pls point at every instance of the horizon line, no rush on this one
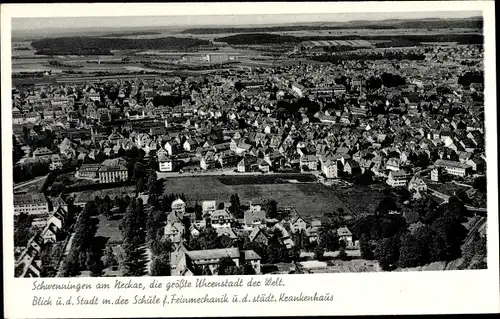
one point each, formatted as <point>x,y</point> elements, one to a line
<point>232,24</point>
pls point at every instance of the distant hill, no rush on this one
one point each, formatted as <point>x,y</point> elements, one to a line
<point>432,23</point>
<point>129,33</point>
<point>98,45</point>
<point>407,40</point>
<point>258,38</point>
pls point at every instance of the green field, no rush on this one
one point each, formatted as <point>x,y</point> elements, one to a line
<point>311,200</point>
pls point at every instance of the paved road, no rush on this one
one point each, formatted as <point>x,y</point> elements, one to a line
<point>23,184</point>
<point>227,172</point>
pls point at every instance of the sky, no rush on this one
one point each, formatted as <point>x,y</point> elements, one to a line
<point>19,24</point>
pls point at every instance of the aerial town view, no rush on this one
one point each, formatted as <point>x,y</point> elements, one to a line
<point>289,148</point>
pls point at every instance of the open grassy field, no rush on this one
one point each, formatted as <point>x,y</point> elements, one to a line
<point>311,200</point>
<point>266,179</point>
<point>361,200</point>
<point>108,229</point>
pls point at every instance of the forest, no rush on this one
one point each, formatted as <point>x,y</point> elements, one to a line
<point>395,40</point>
<point>258,38</point>
<point>475,23</point>
<point>371,56</point>
<point>103,46</point>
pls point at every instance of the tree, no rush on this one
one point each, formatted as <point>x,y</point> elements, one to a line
<point>386,205</point>
<point>413,250</point>
<point>271,208</point>
<point>109,257</point>
<point>23,230</point>
<point>342,254</point>
<point>425,207</point>
<point>226,266</point>
<point>299,239</point>
<point>422,160</point>
<point>365,247</point>
<point>198,210</point>
<point>373,83</point>
<point>153,163</point>
<point>449,234</point>
<point>71,266</point>
<point>454,208</point>
<point>319,251</point>
<point>482,264</point>
<point>85,228</point>
<point>140,186</point>
<point>160,245</point>
<point>387,253</point>
<point>153,183</point>
<point>392,80</point>
<point>235,207</point>
<point>480,184</point>
<point>276,250</point>
<point>364,179</point>
<point>96,267</point>
<point>207,239</point>
<point>248,269</point>
<point>226,241</point>
<point>161,265</point>
<point>133,232</point>
<point>138,171</point>
<point>18,271</point>
<point>328,237</point>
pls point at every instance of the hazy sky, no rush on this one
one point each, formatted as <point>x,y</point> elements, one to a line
<point>200,20</point>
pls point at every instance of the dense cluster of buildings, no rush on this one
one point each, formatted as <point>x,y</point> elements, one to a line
<point>230,121</point>
<point>255,225</point>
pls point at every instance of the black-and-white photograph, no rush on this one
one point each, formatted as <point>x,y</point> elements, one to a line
<point>248,144</point>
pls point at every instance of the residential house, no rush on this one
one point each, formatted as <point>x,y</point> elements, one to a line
<point>173,230</point>
<point>417,184</point>
<point>165,163</point>
<point>263,166</point>
<point>247,164</point>
<point>298,225</point>
<point>254,218</point>
<point>345,235</point>
<point>330,169</point>
<point>221,218</point>
<point>178,206</point>
<point>259,236</point>
<point>310,162</point>
<point>397,179</point>
<point>55,162</point>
